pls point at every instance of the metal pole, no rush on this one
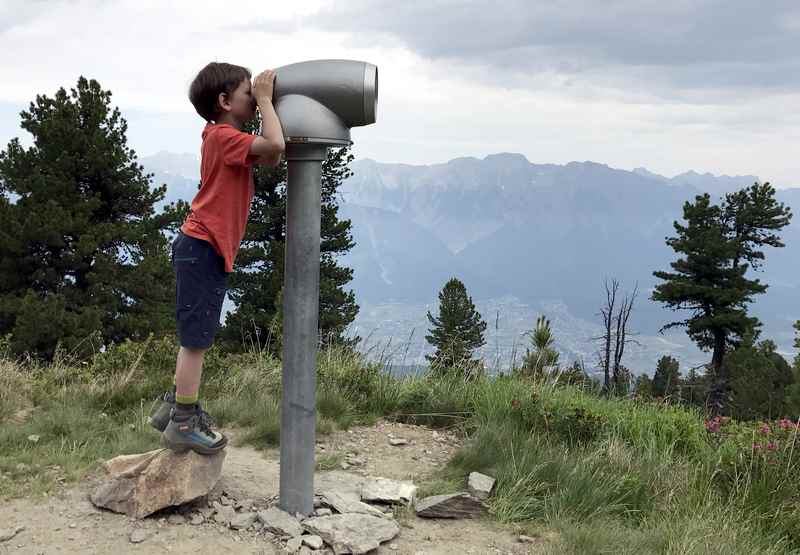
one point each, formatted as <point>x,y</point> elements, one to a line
<point>300,327</point>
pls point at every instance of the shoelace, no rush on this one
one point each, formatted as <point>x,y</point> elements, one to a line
<point>205,421</point>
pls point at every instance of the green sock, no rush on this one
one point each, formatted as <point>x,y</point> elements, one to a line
<point>187,400</point>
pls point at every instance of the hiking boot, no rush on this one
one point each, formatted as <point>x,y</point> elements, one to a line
<point>192,431</point>
<point>160,418</point>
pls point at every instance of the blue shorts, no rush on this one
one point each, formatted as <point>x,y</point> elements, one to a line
<point>200,286</point>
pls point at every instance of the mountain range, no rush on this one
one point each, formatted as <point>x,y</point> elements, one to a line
<point>526,239</point>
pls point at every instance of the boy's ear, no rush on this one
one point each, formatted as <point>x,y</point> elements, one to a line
<point>223,103</point>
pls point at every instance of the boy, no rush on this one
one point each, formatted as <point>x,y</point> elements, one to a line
<point>207,243</point>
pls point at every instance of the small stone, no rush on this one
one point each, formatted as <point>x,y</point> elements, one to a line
<point>480,485</point>
<point>294,544</point>
<point>314,542</point>
<point>73,525</point>
<point>223,500</point>
<point>138,536</point>
<point>197,519</point>
<point>6,535</point>
<point>242,521</point>
<point>343,465</point>
<point>245,504</point>
<point>393,546</point>
<point>526,539</point>
<point>398,441</point>
<point>224,515</point>
<point>323,511</point>
<point>33,438</point>
<point>176,519</point>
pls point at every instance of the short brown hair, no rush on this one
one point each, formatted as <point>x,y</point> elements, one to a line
<point>215,78</point>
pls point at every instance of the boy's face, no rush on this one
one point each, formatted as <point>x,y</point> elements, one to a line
<point>241,104</point>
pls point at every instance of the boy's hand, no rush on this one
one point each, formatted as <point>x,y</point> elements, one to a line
<point>263,86</point>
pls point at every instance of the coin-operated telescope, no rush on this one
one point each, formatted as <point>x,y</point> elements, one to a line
<point>317,103</point>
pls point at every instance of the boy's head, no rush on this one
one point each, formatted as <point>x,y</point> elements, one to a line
<point>222,88</point>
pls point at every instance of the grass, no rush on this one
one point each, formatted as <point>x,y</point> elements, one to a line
<point>594,475</point>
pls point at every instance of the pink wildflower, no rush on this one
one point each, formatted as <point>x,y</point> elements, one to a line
<point>785,423</point>
<point>756,446</point>
<point>712,426</point>
<point>772,446</point>
<point>765,429</point>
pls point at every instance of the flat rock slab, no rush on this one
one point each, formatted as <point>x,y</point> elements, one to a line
<point>345,483</point>
<point>454,505</point>
<point>342,503</point>
<point>139,485</point>
<point>480,485</point>
<point>352,533</point>
<point>384,490</point>
<point>280,522</point>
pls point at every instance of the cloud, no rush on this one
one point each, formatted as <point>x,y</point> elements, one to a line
<point>668,48</point>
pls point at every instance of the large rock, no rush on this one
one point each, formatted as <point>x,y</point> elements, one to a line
<point>455,505</point>
<point>139,485</point>
<point>352,533</point>
<point>480,485</point>
<point>383,490</point>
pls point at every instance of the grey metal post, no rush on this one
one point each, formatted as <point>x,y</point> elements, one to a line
<point>300,327</point>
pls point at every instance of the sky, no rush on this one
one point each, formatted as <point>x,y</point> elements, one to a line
<point>712,86</point>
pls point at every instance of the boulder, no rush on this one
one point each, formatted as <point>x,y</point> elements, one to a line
<point>455,505</point>
<point>480,485</point>
<point>352,533</point>
<point>139,485</point>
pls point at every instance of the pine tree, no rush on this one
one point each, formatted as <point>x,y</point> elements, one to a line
<point>82,256</point>
<point>666,378</point>
<point>760,377</point>
<point>257,281</point>
<point>456,332</point>
<point>543,354</point>
<point>719,244</point>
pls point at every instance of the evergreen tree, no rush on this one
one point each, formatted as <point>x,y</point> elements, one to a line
<point>666,378</point>
<point>643,387</point>
<point>760,377</point>
<point>82,256</point>
<point>255,287</point>
<point>719,244</point>
<point>457,331</point>
<point>543,354</point>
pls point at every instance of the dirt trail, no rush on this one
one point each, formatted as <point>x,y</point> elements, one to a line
<point>67,522</point>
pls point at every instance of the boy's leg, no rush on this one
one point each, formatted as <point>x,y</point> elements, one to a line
<point>188,371</point>
<point>200,288</point>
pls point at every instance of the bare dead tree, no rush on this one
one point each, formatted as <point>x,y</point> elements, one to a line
<point>607,312</point>
<point>621,336</point>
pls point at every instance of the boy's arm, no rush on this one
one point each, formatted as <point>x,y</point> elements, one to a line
<point>269,146</point>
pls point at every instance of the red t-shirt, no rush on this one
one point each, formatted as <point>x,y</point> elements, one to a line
<point>220,208</point>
